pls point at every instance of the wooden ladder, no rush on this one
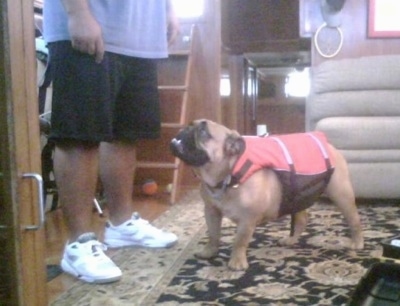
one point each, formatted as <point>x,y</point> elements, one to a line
<point>174,116</point>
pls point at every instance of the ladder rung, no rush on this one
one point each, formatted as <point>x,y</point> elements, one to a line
<point>182,90</point>
<point>148,164</point>
<point>172,125</point>
<point>172,87</point>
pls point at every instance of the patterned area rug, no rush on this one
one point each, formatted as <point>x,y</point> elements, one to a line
<point>317,271</point>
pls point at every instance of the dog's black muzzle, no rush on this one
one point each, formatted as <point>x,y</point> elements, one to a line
<point>184,147</point>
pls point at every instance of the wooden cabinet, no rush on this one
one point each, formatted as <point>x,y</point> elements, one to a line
<point>281,114</point>
<point>265,99</point>
<point>260,25</point>
<point>262,34</point>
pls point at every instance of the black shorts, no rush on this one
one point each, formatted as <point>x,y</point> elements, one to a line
<point>115,100</point>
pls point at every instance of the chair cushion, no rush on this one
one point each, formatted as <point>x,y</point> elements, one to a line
<point>371,73</point>
<point>367,103</point>
<point>362,133</point>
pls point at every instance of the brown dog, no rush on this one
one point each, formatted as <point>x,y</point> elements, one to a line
<point>250,192</point>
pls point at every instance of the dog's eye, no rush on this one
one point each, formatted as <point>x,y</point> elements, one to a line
<point>203,133</point>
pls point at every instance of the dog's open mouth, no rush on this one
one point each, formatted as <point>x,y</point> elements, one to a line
<point>184,147</point>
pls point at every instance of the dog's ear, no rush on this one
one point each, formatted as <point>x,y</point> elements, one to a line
<point>234,145</point>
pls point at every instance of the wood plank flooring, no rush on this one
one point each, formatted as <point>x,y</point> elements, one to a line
<point>148,207</point>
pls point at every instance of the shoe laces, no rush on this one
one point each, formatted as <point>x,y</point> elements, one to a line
<point>97,254</point>
<point>98,248</point>
<point>90,241</point>
<point>143,224</point>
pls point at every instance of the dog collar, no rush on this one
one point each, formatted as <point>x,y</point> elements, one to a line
<point>218,190</point>
<point>229,182</point>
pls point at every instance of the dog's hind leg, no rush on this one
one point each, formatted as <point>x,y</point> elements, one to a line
<point>349,210</point>
<point>340,191</point>
<point>298,225</point>
<point>347,206</point>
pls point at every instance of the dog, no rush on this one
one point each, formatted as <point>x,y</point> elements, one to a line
<point>250,192</point>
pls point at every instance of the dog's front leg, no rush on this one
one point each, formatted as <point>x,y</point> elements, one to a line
<point>213,220</point>
<point>244,233</point>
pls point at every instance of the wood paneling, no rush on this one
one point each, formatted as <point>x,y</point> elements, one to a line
<point>356,43</point>
<point>259,25</point>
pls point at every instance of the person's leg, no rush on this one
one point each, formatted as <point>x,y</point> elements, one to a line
<point>136,116</point>
<point>80,120</point>
<point>116,171</point>
<point>76,173</point>
<point>124,227</point>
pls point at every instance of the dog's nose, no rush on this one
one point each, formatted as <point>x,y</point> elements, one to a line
<point>177,145</point>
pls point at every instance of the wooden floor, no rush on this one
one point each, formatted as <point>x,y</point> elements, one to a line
<point>148,207</point>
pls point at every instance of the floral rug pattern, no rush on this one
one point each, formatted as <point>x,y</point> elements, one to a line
<point>319,270</point>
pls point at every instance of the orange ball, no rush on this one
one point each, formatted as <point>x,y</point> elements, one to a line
<point>149,187</point>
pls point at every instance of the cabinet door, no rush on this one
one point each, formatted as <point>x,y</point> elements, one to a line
<point>22,264</point>
<point>250,25</point>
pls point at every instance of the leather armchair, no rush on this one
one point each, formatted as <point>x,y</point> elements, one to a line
<point>356,102</point>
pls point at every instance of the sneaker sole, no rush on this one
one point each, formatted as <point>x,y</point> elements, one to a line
<point>67,268</point>
<point>115,243</point>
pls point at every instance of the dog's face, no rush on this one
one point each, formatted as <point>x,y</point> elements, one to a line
<point>206,142</point>
<point>186,147</point>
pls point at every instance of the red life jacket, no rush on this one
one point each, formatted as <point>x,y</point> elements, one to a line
<point>302,162</point>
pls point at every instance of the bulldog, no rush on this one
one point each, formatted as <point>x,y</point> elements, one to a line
<point>252,180</point>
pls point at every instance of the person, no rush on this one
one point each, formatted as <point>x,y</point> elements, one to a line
<point>103,57</point>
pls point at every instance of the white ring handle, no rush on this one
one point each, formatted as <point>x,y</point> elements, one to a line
<point>317,45</point>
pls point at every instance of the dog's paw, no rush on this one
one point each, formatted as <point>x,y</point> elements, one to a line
<point>357,239</point>
<point>288,241</point>
<point>238,264</point>
<point>357,245</point>
<point>207,253</point>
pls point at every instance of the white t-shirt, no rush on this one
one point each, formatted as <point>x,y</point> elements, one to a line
<point>130,27</point>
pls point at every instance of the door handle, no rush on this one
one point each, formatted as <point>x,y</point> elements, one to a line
<point>39,181</point>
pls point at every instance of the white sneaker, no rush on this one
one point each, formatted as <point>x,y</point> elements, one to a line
<point>137,232</point>
<point>86,260</point>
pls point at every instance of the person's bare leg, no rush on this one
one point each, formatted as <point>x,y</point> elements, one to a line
<point>76,174</point>
<point>117,162</point>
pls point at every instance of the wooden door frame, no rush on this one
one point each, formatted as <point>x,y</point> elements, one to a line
<point>20,152</point>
